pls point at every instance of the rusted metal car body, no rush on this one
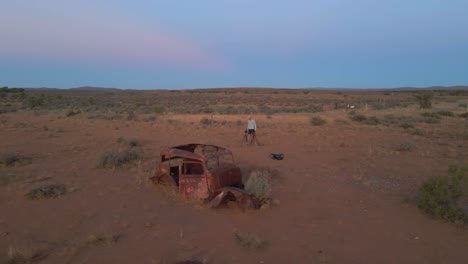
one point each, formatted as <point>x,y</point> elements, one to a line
<point>204,172</point>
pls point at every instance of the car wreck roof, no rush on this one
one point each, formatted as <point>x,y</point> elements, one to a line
<point>187,151</point>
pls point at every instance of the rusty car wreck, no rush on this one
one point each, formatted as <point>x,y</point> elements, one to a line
<point>205,172</point>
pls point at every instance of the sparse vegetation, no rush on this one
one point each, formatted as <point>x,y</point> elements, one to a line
<point>103,239</point>
<point>25,255</point>
<point>205,121</point>
<point>250,241</point>
<point>425,99</point>
<point>372,120</point>
<point>446,196</point>
<point>115,159</point>
<point>130,142</point>
<point>72,112</point>
<point>418,132</point>
<point>406,146</point>
<point>259,184</point>
<point>445,113</point>
<point>10,159</point>
<point>47,192</point>
<point>317,121</point>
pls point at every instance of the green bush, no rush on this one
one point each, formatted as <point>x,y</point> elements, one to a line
<point>317,121</point>
<point>446,196</point>
<point>425,99</point>
<point>259,185</point>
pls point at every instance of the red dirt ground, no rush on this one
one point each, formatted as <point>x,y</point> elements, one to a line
<point>341,199</point>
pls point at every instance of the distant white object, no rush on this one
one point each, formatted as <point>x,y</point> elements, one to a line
<point>350,107</point>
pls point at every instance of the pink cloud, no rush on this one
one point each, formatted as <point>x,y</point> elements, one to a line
<point>99,38</point>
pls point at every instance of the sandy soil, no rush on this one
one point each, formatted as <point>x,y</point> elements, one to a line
<point>342,197</point>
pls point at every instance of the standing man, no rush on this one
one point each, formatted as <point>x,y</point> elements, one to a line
<point>251,129</point>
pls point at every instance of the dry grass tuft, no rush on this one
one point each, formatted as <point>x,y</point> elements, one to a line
<point>11,159</point>
<point>47,192</point>
<point>24,255</point>
<point>114,159</point>
<point>250,241</point>
<point>103,240</point>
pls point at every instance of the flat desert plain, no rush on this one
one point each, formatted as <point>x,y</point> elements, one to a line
<point>345,192</point>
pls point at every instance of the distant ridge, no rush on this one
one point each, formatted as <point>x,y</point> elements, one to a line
<point>93,88</point>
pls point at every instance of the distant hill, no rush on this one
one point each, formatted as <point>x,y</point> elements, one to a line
<point>96,89</point>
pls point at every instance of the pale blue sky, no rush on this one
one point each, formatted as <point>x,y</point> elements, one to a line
<point>150,44</point>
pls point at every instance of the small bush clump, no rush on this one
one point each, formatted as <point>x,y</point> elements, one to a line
<point>406,125</point>
<point>446,196</point>
<point>250,241</point>
<point>47,192</point>
<point>114,159</point>
<point>445,113</point>
<point>464,115</point>
<point>425,100</point>
<point>103,240</point>
<point>10,159</point>
<point>259,185</point>
<point>418,132</point>
<point>358,117</point>
<point>317,121</point>
<point>72,112</point>
<point>405,146</point>
<point>205,121</point>
<point>131,142</point>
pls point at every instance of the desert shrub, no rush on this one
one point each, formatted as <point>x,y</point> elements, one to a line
<point>463,105</point>
<point>464,115</point>
<point>341,121</point>
<point>446,196</point>
<point>358,117</point>
<point>25,255</point>
<point>106,240</point>
<point>431,115</point>
<point>372,120</point>
<point>406,125</point>
<point>205,121</point>
<point>131,142</point>
<point>406,146</point>
<point>425,99</point>
<point>430,120</point>
<point>250,241</point>
<point>47,192</point>
<point>114,159</point>
<point>12,159</point>
<point>418,132</point>
<point>390,119</point>
<point>159,109</point>
<point>259,184</point>
<point>131,116</point>
<point>445,113</point>
<point>317,121</point>
<point>7,109</point>
<point>72,112</point>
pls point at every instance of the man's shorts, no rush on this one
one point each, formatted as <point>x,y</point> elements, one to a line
<point>251,131</point>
